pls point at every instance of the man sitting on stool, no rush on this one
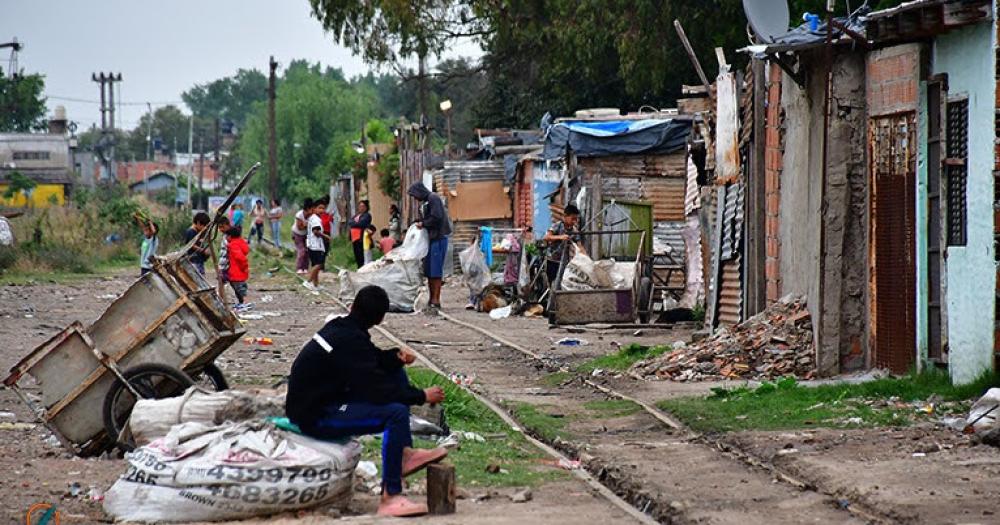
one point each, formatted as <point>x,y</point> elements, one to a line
<point>342,385</point>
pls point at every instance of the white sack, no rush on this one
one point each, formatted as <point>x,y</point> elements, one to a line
<point>401,280</point>
<point>201,472</point>
<point>153,418</point>
<point>981,413</point>
<point>415,245</point>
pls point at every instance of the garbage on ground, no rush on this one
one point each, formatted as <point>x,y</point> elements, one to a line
<point>200,472</point>
<point>5,425</point>
<point>776,343</point>
<point>462,379</point>
<point>985,413</point>
<point>399,273</point>
<point>565,464</point>
<point>266,299</point>
<point>456,438</point>
<point>534,310</point>
<point>501,313</point>
<point>521,496</point>
<point>571,341</point>
<point>366,470</point>
<point>421,427</point>
<point>258,341</point>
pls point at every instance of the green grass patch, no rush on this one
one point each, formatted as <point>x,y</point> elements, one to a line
<point>786,404</point>
<point>612,408</point>
<point>624,358</point>
<point>556,378</point>
<point>503,446</point>
<point>542,420</point>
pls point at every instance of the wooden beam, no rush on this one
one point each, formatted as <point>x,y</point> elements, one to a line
<point>441,488</point>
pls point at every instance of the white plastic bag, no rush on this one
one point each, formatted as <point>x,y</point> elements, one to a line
<point>985,413</point>
<point>414,247</point>
<point>201,472</point>
<point>578,274</point>
<point>475,272</point>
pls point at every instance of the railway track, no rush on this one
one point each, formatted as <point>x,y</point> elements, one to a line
<point>629,497</point>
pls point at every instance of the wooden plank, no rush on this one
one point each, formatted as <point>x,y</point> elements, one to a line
<point>441,485</point>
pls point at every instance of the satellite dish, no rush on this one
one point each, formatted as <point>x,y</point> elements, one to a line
<point>768,18</point>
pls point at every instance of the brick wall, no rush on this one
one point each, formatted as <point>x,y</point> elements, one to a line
<point>523,196</point>
<point>892,79</point>
<point>773,164</point>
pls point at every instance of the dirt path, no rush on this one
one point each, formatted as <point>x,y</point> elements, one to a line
<point>34,469</point>
<point>657,469</point>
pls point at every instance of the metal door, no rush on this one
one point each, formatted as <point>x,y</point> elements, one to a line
<point>892,154</point>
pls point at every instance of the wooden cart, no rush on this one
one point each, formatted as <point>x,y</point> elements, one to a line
<point>164,331</point>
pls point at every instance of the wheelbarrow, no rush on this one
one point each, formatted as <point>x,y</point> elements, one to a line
<point>154,341</point>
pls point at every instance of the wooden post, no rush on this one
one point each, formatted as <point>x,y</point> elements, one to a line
<point>441,488</point>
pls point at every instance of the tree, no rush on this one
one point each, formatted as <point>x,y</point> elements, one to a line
<point>318,115</point>
<point>170,127</point>
<point>230,98</point>
<point>17,184</point>
<point>22,107</point>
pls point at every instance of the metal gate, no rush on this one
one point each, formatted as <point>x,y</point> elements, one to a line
<point>892,153</point>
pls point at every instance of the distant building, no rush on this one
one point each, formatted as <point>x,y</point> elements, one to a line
<point>41,157</point>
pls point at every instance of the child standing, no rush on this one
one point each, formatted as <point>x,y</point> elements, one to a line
<point>387,242</point>
<point>150,242</point>
<point>199,253</point>
<point>316,248</point>
<point>223,270</point>
<point>239,266</point>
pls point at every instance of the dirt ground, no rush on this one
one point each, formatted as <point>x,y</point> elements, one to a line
<point>912,475</point>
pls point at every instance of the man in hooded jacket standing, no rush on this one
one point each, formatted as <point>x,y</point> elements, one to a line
<point>434,220</point>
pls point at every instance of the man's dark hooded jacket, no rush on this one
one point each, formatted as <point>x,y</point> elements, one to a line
<point>432,213</point>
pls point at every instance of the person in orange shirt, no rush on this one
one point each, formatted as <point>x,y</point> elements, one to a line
<point>358,224</point>
<point>387,242</point>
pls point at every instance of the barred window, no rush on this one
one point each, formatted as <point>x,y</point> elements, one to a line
<point>31,155</point>
<point>957,170</point>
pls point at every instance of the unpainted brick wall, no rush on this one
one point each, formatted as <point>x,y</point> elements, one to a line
<point>773,164</point>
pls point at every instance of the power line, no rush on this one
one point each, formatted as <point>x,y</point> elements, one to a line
<point>88,101</point>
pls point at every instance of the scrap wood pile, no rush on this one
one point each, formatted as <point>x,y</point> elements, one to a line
<point>777,342</point>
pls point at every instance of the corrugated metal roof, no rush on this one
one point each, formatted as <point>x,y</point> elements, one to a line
<point>732,221</point>
<point>471,171</point>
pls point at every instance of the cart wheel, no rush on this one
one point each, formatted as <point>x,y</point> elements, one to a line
<point>150,381</point>
<point>211,378</point>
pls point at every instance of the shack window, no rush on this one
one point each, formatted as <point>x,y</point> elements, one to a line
<point>957,170</point>
<point>31,155</point>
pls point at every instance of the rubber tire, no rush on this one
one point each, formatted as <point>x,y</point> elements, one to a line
<point>215,375</point>
<point>148,369</point>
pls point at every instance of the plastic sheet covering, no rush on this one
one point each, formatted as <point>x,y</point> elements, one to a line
<point>475,272</point>
<point>607,138</point>
<point>202,472</point>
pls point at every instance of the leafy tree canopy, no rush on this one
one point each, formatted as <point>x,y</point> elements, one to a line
<point>230,98</point>
<point>22,107</point>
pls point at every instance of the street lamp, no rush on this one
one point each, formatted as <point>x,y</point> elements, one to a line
<point>446,109</point>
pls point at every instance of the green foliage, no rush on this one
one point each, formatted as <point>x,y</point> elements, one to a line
<point>230,98</point>
<point>548,426</point>
<point>18,183</point>
<point>787,404</point>
<point>169,125</point>
<point>22,106</point>
<point>321,113</point>
<point>610,408</point>
<point>624,358</point>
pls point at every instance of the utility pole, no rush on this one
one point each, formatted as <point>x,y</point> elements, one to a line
<point>201,167</point>
<point>272,144</point>
<point>149,133</point>
<point>190,153</point>
<point>107,83</point>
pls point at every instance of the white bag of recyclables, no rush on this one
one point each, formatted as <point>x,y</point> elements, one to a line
<point>200,472</point>
<point>153,418</point>
<point>475,272</point>
<point>401,279</point>
<point>985,412</point>
<point>415,245</point>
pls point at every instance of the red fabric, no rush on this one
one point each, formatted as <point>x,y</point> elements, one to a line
<point>326,219</point>
<point>239,263</point>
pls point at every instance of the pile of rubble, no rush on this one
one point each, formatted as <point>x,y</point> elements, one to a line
<point>777,342</point>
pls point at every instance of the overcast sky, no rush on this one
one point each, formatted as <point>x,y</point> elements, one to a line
<point>160,48</point>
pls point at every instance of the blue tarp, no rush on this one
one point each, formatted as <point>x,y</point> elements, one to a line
<point>616,137</point>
